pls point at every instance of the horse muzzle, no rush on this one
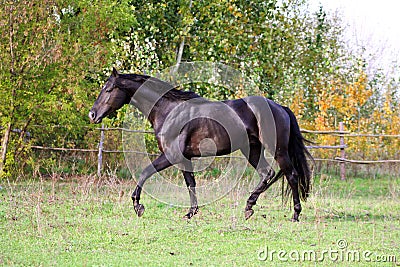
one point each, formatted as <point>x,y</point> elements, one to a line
<point>93,118</point>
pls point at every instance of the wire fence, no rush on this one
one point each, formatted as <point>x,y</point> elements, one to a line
<point>342,160</point>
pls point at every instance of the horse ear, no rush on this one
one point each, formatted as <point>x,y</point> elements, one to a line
<point>115,72</point>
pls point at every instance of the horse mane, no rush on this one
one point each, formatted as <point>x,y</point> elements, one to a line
<point>135,77</point>
<point>172,94</point>
<point>175,94</point>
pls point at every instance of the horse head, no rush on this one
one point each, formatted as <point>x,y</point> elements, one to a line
<point>116,92</point>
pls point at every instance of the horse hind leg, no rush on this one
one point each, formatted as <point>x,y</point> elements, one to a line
<point>291,175</point>
<point>266,181</point>
<point>266,173</point>
<point>191,185</point>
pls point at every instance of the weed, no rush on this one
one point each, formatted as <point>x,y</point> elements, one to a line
<point>90,221</point>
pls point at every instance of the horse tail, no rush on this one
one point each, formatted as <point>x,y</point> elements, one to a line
<point>298,154</point>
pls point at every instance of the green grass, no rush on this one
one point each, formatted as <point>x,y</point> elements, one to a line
<point>90,222</point>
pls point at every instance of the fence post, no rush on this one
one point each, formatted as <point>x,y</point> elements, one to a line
<point>342,152</point>
<point>100,155</point>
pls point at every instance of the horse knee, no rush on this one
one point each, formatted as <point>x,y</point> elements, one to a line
<point>292,180</point>
<point>297,208</point>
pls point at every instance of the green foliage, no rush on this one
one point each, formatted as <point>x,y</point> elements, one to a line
<point>50,49</point>
<point>278,44</point>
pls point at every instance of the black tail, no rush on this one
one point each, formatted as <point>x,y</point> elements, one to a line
<point>298,154</point>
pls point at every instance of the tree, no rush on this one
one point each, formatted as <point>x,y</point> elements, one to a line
<point>49,48</point>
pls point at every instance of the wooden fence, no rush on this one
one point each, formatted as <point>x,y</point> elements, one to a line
<point>340,133</point>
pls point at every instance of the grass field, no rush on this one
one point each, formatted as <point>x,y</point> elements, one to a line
<point>89,222</point>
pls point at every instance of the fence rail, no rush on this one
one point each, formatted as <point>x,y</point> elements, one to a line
<point>342,160</point>
<point>338,159</point>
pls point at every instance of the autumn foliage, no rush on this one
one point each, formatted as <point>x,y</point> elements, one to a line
<point>372,121</point>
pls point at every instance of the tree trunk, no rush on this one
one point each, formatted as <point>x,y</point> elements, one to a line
<point>4,147</point>
<point>6,137</point>
<point>181,47</point>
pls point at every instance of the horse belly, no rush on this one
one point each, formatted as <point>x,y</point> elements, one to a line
<point>215,142</point>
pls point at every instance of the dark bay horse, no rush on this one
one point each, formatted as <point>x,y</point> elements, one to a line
<point>182,120</point>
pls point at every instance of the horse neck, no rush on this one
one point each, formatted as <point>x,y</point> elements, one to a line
<point>148,98</point>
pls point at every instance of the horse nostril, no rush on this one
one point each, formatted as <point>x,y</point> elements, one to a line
<point>92,115</point>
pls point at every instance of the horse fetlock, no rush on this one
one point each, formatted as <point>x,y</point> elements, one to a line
<point>297,208</point>
<point>295,217</point>
<point>134,198</point>
<point>194,210</point>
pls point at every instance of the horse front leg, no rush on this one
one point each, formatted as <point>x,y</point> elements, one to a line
<point>157,165</point>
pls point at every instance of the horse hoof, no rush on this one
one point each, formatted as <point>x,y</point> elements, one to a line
<point>294,220</point>
<point>188,216</point>
<point>139,209</point>
<point>248,213</point>
<point>191,213</point>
